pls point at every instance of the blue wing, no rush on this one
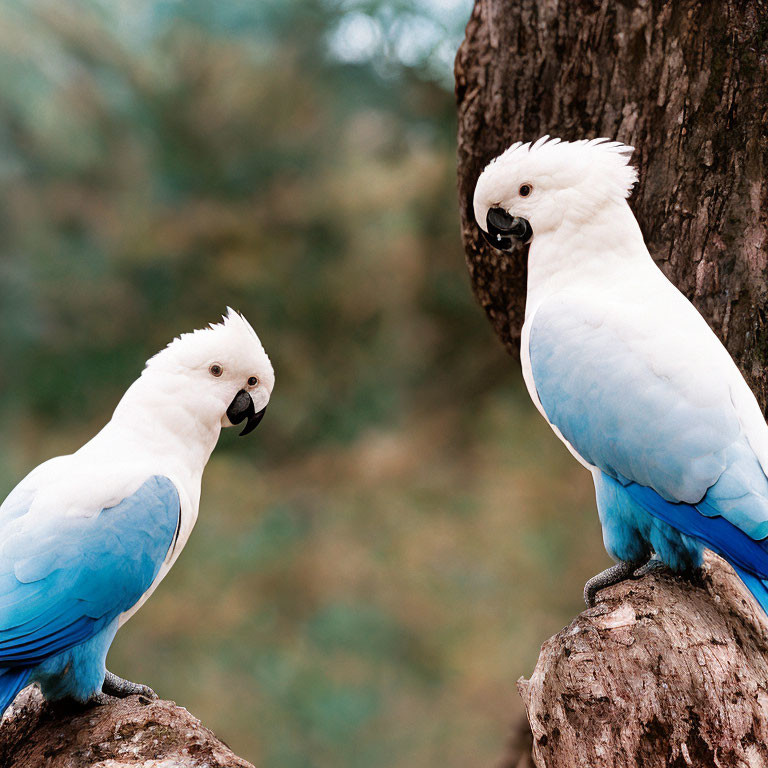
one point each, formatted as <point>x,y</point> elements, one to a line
<point>63,581</point>
<point>673,440</point>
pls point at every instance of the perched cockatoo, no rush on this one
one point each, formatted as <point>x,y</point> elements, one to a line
<point>625,370</point>
<point>86,538</point>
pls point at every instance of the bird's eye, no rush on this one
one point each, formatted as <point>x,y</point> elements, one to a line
<point>525,190</point>
<point>253,381</point>
<point>215,369</point>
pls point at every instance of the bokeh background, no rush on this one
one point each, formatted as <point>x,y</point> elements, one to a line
<point>374,568</point>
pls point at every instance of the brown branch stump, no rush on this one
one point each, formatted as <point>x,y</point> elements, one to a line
<point>662,672</point>
<point>123,732</point>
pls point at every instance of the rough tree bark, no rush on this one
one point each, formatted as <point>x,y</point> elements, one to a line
<point>663,672</point>
<point>686,83</point>
<point>124,732</point>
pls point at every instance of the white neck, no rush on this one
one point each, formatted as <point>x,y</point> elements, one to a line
<point>584,251</point>
<point>154,419</point>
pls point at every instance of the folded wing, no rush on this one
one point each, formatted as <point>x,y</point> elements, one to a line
<point>63,578</point>
<point>650,404</point>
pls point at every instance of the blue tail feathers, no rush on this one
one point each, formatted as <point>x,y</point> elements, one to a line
<point>12,680</point>
<point>747,556</point>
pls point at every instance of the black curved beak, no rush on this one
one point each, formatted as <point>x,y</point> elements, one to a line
<point>502,228</point>
<point>242,408</point>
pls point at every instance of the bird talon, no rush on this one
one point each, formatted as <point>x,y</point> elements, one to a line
<point>652,566</point>
<point>120,688</point>
<point>607,578</point>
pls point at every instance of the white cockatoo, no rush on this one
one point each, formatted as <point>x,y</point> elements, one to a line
<point>86,538</point>
<point>625,370</point>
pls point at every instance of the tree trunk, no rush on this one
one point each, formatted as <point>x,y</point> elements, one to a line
<point>684,82</point>
<point>663,673</point>
<point>124,732</point>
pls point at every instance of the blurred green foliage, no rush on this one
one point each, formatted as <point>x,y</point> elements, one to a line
<point>374,568</point>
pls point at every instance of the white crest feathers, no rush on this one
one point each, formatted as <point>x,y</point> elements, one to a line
<point>600,162</point>
<point>190,350</point>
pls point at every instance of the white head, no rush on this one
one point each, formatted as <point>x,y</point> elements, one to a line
<point>536,188</point>
<point>221,373</point>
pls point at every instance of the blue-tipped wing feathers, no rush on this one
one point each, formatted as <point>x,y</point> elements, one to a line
<point>64,578</point>
<point>634,401</point>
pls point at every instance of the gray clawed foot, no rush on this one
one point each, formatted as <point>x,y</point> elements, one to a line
<point>653,565</point>
<point>618,573</point>
<point>116,686</point>
<point>607,578</point>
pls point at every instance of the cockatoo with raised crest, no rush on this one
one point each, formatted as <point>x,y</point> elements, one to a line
<point>625,370</point>
<point>86,538</point>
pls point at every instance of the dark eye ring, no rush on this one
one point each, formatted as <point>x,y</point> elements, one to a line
<point>525,190</point>
<point>215,369</point>
<point>253,381</point>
